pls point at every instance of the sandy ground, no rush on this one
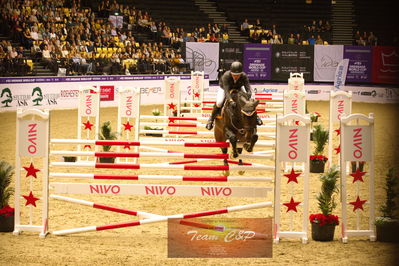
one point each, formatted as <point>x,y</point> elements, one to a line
<point>147,244</point>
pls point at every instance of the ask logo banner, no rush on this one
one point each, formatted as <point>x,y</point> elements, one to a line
<point>35,98</point>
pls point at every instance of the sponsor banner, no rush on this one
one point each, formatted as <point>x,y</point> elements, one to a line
<point>33,138</point>
<point>322,92</point>
<point>257,61</point>
<point>288,59</point>
<point>340,74</point>
<point>228,53</point>
<point>360,63</point>
<point>220,238</point>
<point>203,57</point>
<point>326,60</point>
<point>385,65</point>
<point>292,144</point>
<point>63,92</point>
<point>357,143</point>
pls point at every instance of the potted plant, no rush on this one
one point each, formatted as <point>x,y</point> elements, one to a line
<point>314,117</point>
<point>107,134</point>
<point>318,160</point>
<point>323,224</point>
<point>387,225</point>
<point>6,212</point>
<point>155,112</point>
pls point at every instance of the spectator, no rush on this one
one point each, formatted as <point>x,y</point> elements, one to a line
<point>311,40</point>
<point>245,27</point>
<point>291,39</point>
<point>319,40</point>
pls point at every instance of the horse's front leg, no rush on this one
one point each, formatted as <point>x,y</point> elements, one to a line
<point>233,141</point>
<point>252,142</point>
<point>224,151</point>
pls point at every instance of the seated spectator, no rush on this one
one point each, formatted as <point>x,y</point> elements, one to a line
<point>46,56</point>
<point>291,39</point>
<point>372,40</point>
<point>258,24</point>
<point>311,40</point>
<point>245,27</point>
<point>13,53</point>
<point>298,39</point>
<point>319,40</point>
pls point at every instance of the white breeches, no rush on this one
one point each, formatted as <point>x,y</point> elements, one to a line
<point>220,96</point>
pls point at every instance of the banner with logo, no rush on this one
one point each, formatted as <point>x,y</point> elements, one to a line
<point>257,61</point>
<point>228,53</point>
<point>288,59</point>
<point>203,57</point>
<point>326,60</point>
<point>360,63</point>
<point>63,92</point>
<point>340,74</point>
<point>385,65</point>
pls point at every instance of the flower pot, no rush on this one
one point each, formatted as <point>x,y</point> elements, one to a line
<point>106,159</point>
<point>388,232</point>
<point>323,232</point>
<point>316,166</point>
<point>6,223</point>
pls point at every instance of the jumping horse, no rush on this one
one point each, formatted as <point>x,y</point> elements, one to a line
<point>237,124</point>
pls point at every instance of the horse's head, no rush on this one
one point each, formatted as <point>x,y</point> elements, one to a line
<point>248,106</point>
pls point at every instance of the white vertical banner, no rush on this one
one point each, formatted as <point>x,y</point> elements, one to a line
<point>197,85</point>
<point>340,105</point>
<point>340,74</point>
<point>357,143</point>
<point>326,60</point>
<point>293,141</point>
<point>129,102</point>
<point>203,57</point>
<point>172,95</point>
<point>294,102</point>
<point>89,102</point>
<point>32,138</point>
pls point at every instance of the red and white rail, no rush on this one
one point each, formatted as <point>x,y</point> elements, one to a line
<point>164,218</point>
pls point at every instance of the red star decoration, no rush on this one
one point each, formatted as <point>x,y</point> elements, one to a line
<point>172,106</point>
<point>292,205</point>
<point>127,126</point>
<point>358,175</point>
<point>196,105</point>
<point>338,131</point>
<point>196,95</point>
<point>337,149</point>
<point>30,199</point>
<point>126,147</point>
<point>358,204</point>
<point>297,123</point>
<point>292,176</point>
<point>31,170</point>
<point>88,125</point>
<point>87,146</point>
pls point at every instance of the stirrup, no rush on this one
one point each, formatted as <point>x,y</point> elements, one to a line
<point>259,121</point>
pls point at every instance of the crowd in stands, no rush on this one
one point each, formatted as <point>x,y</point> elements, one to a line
<point>64,35</point>
<point>69,38</point>
<point>315,33</point>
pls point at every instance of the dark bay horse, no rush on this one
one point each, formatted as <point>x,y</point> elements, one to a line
<point>237,124</point>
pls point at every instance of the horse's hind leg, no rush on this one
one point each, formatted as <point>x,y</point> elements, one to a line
<point>225,162</point>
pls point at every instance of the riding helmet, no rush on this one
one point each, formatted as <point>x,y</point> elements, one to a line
<point>236,67</point>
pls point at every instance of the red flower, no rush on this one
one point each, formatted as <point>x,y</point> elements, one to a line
<point>321,219</point>
<point>7,211</point>
<point>318,158</point>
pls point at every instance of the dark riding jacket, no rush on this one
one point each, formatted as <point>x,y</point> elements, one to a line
<point>227,84</point>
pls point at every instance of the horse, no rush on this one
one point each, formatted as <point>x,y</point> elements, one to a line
<point>237,124</point>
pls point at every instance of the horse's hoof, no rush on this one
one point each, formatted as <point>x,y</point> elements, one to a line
<point>241,172</point>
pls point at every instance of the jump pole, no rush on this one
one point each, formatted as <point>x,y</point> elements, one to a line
<point>357,144</point>
<point>32,142</point>
<point>292,146</point>
<point>164,218</point>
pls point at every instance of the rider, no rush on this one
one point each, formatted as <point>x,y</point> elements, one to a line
<point>233,79</point>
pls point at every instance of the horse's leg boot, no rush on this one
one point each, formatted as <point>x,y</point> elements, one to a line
<point>215,112</point>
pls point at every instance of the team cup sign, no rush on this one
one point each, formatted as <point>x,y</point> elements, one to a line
<point>220,238</point>
<point>357,143</point>
<point>293,141</point>
<point>32,138</point>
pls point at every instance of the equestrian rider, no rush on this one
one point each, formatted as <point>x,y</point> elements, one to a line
<point>233,79</point>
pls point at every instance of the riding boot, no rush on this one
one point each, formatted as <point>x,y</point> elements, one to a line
<point>258,121</point>
<point>215,112</point>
